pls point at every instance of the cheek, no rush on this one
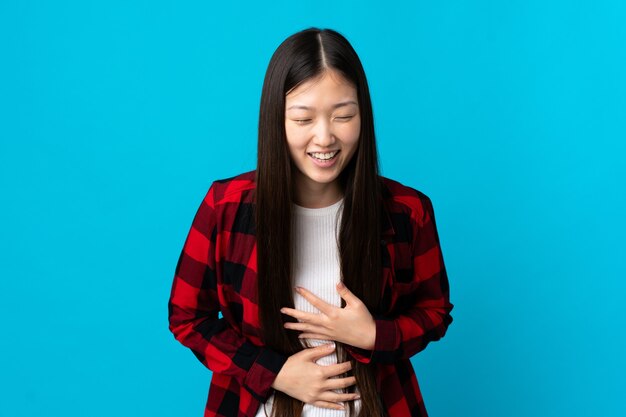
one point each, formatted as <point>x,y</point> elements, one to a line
<point>294,137</point>
<point>295,144</point>
<point>350,133</point>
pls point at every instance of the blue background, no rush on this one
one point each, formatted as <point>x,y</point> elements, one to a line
<point>116,116</point>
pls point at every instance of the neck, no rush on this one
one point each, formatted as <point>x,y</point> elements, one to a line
<point>316,195</point>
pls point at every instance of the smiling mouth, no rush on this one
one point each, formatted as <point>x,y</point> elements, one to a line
<point>324,156</point>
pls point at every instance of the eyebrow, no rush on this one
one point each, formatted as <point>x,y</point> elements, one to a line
<point>336,106</point>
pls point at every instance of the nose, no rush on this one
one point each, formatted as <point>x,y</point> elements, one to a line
<point>323,135</point>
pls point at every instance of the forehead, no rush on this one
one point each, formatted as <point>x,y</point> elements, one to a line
<point>329,86</point>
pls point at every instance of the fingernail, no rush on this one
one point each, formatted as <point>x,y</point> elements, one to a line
<point>340,285</point>
<point>356,397</point>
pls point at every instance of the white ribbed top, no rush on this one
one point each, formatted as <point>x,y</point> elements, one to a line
<point>315,259</point>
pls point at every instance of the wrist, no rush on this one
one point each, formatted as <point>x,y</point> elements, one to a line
<point>369,339</point>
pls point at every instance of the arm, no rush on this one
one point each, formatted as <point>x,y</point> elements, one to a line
<point>428,317</point>
<point>193,312</point>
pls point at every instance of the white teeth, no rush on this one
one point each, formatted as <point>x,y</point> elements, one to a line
<point>323,156</point>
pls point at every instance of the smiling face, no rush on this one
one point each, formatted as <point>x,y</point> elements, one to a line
<point>323,124</point>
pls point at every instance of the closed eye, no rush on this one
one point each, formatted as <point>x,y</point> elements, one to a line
<point>302,121</point>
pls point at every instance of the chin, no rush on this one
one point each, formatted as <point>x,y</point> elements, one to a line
<point>321,179</point>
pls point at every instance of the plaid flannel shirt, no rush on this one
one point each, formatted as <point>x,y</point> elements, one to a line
<point>216,272</point>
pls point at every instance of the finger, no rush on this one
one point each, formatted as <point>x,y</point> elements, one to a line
<point>297,326</point>
<point>336,397</point>
<point>300,315</point>
<point>339,383</point>
<point>319,336</point>
<point>317,352</point>
<point>320,304</point>
<point>306,327</point>
<point>346,294</point>
<point>336,369</point>
<point>326,404</point>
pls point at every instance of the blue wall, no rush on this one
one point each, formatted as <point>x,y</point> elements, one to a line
<point>115,117</point>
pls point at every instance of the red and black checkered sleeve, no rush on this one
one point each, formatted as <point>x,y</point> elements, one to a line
<point>194,312</point>
<point>428,314</point>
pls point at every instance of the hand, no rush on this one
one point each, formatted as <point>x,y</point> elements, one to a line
<point>352,324</point>
<point>303,379</point>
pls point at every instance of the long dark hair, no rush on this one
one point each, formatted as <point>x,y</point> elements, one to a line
<point>300,57</point>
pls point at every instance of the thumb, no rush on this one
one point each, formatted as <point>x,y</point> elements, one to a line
<point>313,354</point>
<point>346,294</point>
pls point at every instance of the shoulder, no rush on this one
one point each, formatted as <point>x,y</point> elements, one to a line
<point>401,198</point>
<point>237,188</point>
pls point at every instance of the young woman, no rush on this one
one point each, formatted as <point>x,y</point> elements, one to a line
<point>328,276</point>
